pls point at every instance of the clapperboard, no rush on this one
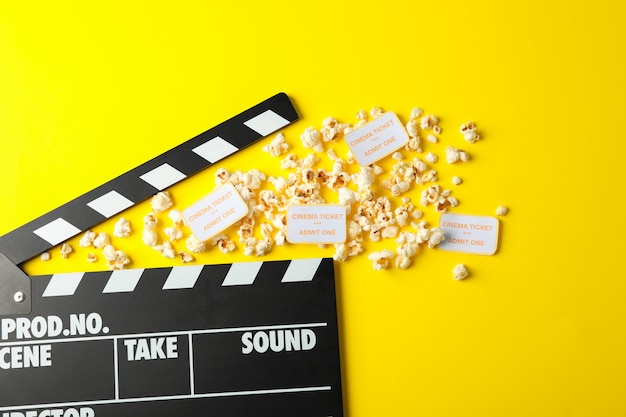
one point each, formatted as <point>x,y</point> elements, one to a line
<point>243,339</point>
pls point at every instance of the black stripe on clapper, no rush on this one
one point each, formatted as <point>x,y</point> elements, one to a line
<point>146,180</point>
<point>217,304</point>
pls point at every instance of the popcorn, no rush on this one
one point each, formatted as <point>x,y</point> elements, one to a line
<point>346,197</point>
<point>119,261</point>
<point>116,259</point>
<point>109,253</point>
<point>44,257</point>
<point>280,237</point>
<point>416,112</point>
<point>375,233</point>
<point>161,202</point>
<point>262,247</point>
<point>246,229</point>
<point>431,157</point>
<point>400,188</point>
<point>341,252</point>
<point>423,233</point>
<point>195,245</point>
<point>331,128</point>
<point>337,181</point>
<point>468,130</point>
<point>252,179</point>
<point>460,272</point>
<point>411,128</point>
<point>361,117</point>
<point>432,138</point>
<point>311,139</point>
<point>92,257</point>
<point>428,121</point>
<point>166,249</point>
<point>438,198</point>
<point>223,243</point>
<point>406,211</point>
<point>456,180</point>
<point>289,162</point>
<point>437,129</point>
<point>279,183</point>
<point>173,233</point>
<point>87,239</point>
<point>309,160</point>
<point>376,111</point>
<point>248,246</point>
<point>277,146</point>
<point>407,248</point>
<point>121,228</point>
<point>149,237</point>
<point>354,230</point>
<point>390,232</point>
<point>501,211</point>
<point>381,260</point>
<point>403,262</point>
<point>430,195</point>
<point>185,257</point>
<point>101,240</point>
<point>413,144</point>
<point>266,230</point>
<point>150,221</point>
<point>66,249</point>
<point>454,155</point>
<point>177,218</point>
<point>354,247</point>
<point>222,176</point>
<point>427,176</point>
<point>436,237</point>
<point>363,179</point>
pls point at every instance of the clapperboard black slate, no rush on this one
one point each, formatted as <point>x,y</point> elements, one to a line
<point>253,338</point>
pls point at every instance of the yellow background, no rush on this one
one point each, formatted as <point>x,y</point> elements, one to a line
<point>91,90</point>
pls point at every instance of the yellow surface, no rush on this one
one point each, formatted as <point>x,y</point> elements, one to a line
<point>91,90</point>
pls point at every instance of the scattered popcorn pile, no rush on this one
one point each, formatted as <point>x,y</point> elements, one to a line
<point>116,259</point>
<point>371,215</point>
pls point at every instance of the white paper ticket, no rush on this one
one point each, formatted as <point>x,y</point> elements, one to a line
<point>469,234</point>
<point>215,212</point>
<point>316,223</point>
<point>377,139</point>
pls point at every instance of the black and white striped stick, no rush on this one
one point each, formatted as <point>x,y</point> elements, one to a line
<point>146,180</point>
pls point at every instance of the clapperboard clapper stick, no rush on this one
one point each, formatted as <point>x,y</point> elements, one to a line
<point>252,338</point>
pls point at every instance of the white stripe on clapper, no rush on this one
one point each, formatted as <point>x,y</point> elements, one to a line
<point>57,231</point>
<point>123,280</point>
<point>242,273</point>
<point>63,284</point>
<point>266,122</point>
<point>215,149</point>
<point>182,277</point>
<point>301,270</point>
<point>163,176</point>
<point>110,204</point>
